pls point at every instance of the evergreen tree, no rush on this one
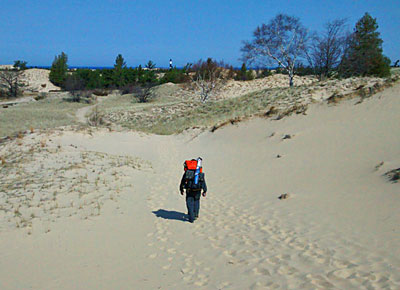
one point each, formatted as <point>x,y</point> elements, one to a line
<point>20,64</point>
<point>119,62</point>
<point>150,65</point>
<point>58,71</point>
<point>363,55</point>
<point>119,68</point>
<point>243,72</point>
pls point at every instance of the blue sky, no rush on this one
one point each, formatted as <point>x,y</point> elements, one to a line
<point>92,33</point>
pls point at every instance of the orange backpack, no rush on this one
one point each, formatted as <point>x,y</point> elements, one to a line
<point>191,165</point>
<point>190,169</point>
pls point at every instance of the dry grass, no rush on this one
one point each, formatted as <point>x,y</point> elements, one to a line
<point>48,113</point>
<point>171,111</point>
<point>176,116</point>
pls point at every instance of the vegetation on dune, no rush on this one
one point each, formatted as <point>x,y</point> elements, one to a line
<point>58,71</point>
<point>10,83</point>
<point>363,55</point>
<point>176,116</point>
<point>284,41</point>
<point>44,114</point>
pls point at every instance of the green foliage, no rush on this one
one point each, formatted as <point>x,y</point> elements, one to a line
<point>150,65</point>
<point>244,74</point>
<point>20,64</point>
<point>175,76</point>
<point>92,79</point>
<point>302,70</point>
<point>119,62</point>
<point>58,71</point>
<point>119,72</point>
<point>363,55</point>
<point>74,83</point>
<point>266,73</point>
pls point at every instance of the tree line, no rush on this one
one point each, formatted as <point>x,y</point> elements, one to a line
<point>283,43</point>
<point>286,43</point>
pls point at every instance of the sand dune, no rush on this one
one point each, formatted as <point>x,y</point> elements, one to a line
<point>339,228</point>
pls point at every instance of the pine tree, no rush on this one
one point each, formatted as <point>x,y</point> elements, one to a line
<point>58,71</point>
<point>363,55</point>
<point>118,75</point>
<point>243,72</point>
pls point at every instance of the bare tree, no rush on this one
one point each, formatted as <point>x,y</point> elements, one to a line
<point>283,42</point>
<point>10,80</point>
<point>207,78</point>
<point>326,50</point>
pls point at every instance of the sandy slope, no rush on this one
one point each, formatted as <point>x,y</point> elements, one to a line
<point>339,228</point>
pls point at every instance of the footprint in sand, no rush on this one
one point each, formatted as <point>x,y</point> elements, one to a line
<point>261,271</point>
<point>152,256</point>
<point>171,251</point>
<point>320,281</point>
<point>263,285</point>
<point>224,285</point>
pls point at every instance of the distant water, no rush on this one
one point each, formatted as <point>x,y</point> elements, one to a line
<point>110,67</point>
<point>75,67</point>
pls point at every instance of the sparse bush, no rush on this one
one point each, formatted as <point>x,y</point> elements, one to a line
<point>96,118</point>
<point>10,81</point>
<point>3,94</point>
<point>143,94</point>
<point>100,92</point>
<point>40,96</point>
<point>80,97</point>
<point>128,89</point>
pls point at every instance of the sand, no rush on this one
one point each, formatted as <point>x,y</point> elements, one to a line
<point>339,228</point>
<point>37,80</point>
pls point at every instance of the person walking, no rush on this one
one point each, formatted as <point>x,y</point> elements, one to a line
<point>194,183</point>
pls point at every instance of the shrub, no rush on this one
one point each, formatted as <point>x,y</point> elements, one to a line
<point>128,89</point>
<point>95,118</point>
<point>100,92</point>
<point>175,76</point>
<point>80,97</point>
<point>143,93</point>
<point>40,96</point>
<point>20,64</point>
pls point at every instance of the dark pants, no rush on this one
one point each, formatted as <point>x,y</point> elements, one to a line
<point>193,205</point>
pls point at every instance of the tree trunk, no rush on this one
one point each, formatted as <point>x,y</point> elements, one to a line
<point>291,80</point>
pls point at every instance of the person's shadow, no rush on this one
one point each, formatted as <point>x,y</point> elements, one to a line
<point>171,215</point>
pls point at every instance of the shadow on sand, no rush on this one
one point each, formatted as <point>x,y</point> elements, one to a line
<point>171,215</point>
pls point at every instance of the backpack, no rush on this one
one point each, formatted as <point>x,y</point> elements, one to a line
<point>190,173</point>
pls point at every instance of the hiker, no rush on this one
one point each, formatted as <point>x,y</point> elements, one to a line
<point>193,181</point>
